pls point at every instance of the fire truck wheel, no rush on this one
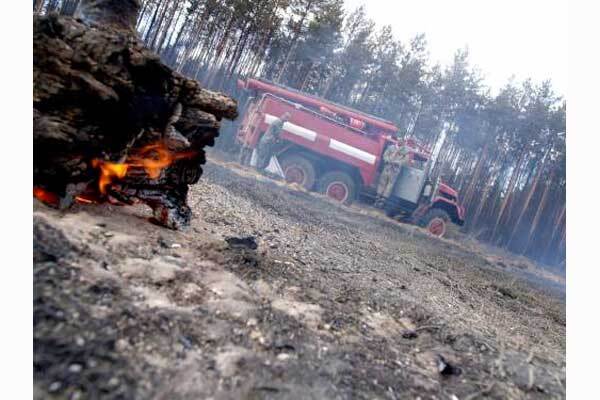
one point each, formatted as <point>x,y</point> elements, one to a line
<point>298,169</point>
<point>435,221</point>
<point>339,186</point>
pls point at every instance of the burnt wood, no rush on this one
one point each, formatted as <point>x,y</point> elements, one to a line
<point>99,93</point>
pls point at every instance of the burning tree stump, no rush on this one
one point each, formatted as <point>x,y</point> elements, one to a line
<point>110,121</point>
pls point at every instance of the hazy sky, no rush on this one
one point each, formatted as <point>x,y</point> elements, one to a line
<point>527,38</point>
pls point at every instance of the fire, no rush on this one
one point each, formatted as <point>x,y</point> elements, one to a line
<point>83,200</point>
<point>153,159</point>
<point>45,196</point>
<point>108,172</point>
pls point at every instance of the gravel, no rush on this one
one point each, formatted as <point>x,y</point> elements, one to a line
<point>275,293</point>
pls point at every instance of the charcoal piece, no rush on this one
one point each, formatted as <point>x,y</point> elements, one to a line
<point>248,242</point>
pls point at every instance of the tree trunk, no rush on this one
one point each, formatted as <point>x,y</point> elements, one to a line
<point>142,14</point>
<point>159,23</point>
<point>236,60</point>
<point>219,52</point>
<point>167,31</point>
<point>189,48</point>
<point>510,206</point>
<point>557,223</point>
<point>509,190</point>
<point>538,213</point>
<point>328,84</point>
<point>68,7</point>
<point>52,6</point>
<point>489,182</point>
<point>173,49</point>
<point>411,130</point>
<point>152,23</point>
<point>292,49</point>
<point>306,77</point>
<point>528,198</point>
<point>38,5</point>
<point>475,177</point>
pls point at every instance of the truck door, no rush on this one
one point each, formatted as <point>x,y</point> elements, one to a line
<point>409,184</point>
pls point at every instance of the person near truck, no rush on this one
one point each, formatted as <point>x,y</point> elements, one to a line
<point>267,145</point>
<point>394,157</point>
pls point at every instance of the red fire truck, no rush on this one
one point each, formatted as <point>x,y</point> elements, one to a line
<point>337,151</point>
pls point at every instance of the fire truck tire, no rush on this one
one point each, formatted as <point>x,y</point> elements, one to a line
<point>390,210</point>
<point>339,186</point>
<point>435,221</point>
<point>298,169</point>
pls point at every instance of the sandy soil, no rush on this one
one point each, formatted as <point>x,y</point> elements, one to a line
<point>274,293</point>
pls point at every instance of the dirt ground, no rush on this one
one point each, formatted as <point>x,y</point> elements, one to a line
<point>274,293</point>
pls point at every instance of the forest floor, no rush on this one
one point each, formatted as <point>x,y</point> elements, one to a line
<point>275,293</point>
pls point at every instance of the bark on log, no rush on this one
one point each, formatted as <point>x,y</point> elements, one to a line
<point>100,94</point>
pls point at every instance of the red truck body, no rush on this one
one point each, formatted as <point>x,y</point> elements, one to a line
<point>324,140</point>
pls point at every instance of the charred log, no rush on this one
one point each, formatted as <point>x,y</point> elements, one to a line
<point>99,94</point>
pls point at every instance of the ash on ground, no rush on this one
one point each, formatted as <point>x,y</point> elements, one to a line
<point>274,293</point>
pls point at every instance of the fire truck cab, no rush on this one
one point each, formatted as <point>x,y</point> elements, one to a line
<point>338,151</point>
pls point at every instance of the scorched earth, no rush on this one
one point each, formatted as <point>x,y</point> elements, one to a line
<point>274,293</point>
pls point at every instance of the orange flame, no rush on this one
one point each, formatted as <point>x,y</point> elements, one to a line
<point>45,196</point>
<point>153,159</point>
<point>109,171</point>
<point>84,200</point>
